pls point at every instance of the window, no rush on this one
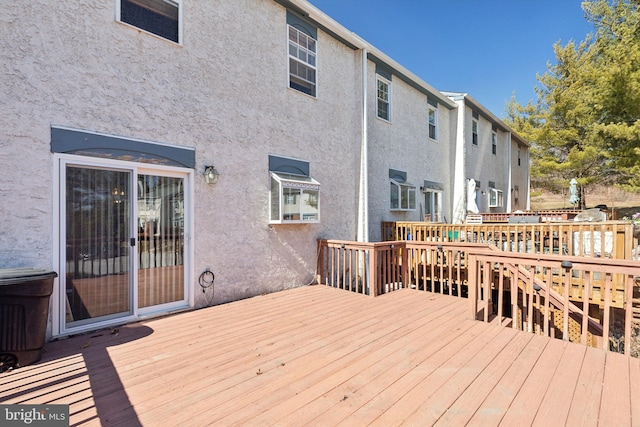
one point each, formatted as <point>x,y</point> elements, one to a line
<point>433,121</point>
<point>474,132</point>
<point>495,198</point>
<point>302,61</point>
<point>383,98</point>
<point>159,17</point>
<point>494,143</point>
<point>433,205</point>
<point>403,196</point>
<point>519,155</point>
<point>294,199</point>
<point>516,195</point>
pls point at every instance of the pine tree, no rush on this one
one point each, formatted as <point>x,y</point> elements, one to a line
<point>586,121</point>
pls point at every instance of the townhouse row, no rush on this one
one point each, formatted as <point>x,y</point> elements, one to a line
<point>162,155</point>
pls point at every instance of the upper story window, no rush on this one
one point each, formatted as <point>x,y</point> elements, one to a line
<point>302,61</point>
<point>384,98</point>
<point>474,132</point>
<point>403,194</point>
<point>433,123</point>
<point>494,143</point>
<point>159,17</point>
<point>519,156</point>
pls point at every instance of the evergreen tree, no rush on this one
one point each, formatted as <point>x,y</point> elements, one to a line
<point>586,121</point>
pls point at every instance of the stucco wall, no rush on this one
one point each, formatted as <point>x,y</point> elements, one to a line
<point>403,144</point>
<point>483,165</point>
<point>224,92</point>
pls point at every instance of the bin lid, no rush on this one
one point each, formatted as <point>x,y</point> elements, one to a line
<point>12,276</point>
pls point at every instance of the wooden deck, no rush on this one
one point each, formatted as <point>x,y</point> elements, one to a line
<point>322,356</point>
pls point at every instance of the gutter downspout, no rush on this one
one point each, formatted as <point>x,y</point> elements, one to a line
<point>363,201</point>
<point>528,181</point>
<point>510,172</point>
<point>459,167</point>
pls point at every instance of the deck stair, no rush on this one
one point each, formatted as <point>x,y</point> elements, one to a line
<point>575,312</point>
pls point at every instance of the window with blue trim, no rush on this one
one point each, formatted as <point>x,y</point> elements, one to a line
<point>402,194</point>
<point>159,17</point>
<point>433,122</point>
<point>494,143</point>
<point>295,195</point>
<point>384,98</point>
<point>302,61</point>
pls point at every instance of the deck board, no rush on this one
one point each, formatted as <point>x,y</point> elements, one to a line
<point>634,378</point>
<point>615,407</point>
<point>321,356</point>
<point>365,376</point>
<point>524,407</point>
<point>585,405</point>
<point>436,405</point>
<point>467,402</point>
<point>556,402</point>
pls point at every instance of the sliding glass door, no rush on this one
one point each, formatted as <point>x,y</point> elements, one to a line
<point>124,242</point>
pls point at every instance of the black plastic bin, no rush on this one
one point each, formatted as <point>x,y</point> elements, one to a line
<point>24,310</point>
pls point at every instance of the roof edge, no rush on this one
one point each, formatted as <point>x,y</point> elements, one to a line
<point>472,102</point>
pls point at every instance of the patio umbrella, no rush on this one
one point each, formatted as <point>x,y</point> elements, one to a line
<point>573,192</point>
<point>471,197</point>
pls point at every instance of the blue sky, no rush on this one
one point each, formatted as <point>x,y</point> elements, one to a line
<point>486,48</point>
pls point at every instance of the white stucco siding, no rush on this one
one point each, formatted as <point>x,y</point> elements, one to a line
<point>321,131</point>
<point>484,166</point>
<point>223,92</point>
<point>403,144</point>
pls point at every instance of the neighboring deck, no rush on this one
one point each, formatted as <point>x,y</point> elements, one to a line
<point>322,356</point>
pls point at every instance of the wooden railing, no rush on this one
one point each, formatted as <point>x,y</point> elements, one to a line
<point>364,268</point>
<point>541,293</point>
<point>522,290</point>
<point>610,239</point>
<point>544,216</point>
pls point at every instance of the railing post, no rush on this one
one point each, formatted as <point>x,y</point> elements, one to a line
<point>373,271</point>
<point>628,315</point>
<point>486,286</point>
<point>405,265</point>
<point>472,284</point>
<point>607,311</point>
<point>586,298</point>
<point>320,264</point>
<point>515,277</point>
<point>566,265</point>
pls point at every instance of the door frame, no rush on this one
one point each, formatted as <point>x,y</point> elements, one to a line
<point>58,324</point>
